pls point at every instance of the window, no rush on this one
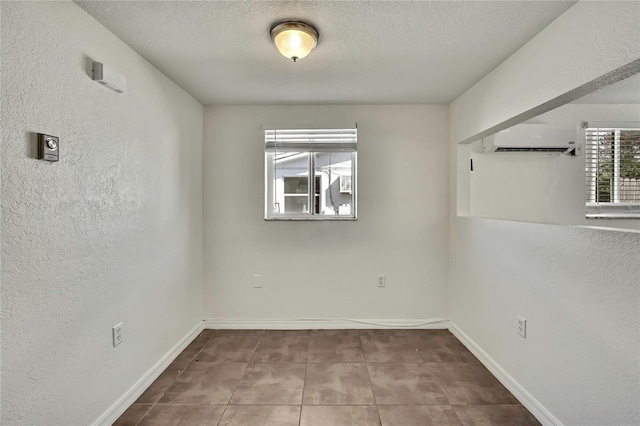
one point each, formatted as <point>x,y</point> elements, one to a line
<point>292,156</point>
<point>613,171</point>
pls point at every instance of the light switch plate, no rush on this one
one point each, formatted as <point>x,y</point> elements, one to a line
<point>522,327</point>
<point>48,147</point>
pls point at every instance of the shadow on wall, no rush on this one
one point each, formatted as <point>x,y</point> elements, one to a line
<point>31,149</point>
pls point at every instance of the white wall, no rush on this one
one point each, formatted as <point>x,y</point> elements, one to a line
<point>111,233</point>
<point>605,30</point>
<point>328,269</point>
<point>577,287</point>
<point>542,188</point>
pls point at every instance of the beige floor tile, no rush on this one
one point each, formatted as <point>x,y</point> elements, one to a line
<point>313,415</point>
<point>281,348</point>
<point>183,415</point>
<point>153,393</point>
<point>418,415</point>
<point>340,377</point>
<point>443,348</point>
<point>335,332</point>
<point>287,332</point>
<point>239,332</point>
<point>205,383</point>
<point>495,415</point>
<point>271,384</point>
<point>390,348</point>
<point>384,332</point>
<point>338,384</point>
<point>190,352</point>
<point>405,384</point>
<point>229,349</point>
<point>208,333</point>
<point>133,415</point>
<point>261,415</point>
<point>421,332</point>
<point>471,383</point>
<point>337,348</point>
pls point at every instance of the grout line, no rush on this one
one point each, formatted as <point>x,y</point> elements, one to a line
<point>323,404</point>
<point>375,401</point>
<point>456,413</point>
<point>145,414</point>
<point>198,353</point>
<point>177,377</point>
<point>254,349</point>
<point>237,384</point>
<point>304,385</point>
<point>364,353</point>
<point>223,411</point>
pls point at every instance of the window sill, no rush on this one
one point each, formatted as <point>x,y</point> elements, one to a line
<point>322,218</point>
<point>613,211</point>
<point>612,216</point>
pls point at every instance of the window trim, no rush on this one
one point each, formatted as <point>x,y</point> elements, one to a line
<point>309,141</point>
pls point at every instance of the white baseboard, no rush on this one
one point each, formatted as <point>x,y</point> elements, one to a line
<point>533,405</point>
<point>324,323</point>
<point>111,415</point>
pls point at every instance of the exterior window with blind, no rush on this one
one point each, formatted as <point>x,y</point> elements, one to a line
<point>310,174</point>
<point>612,170</point>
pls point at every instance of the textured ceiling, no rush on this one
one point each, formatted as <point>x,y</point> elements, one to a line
<point>369,51</point>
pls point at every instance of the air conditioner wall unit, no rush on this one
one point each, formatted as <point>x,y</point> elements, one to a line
<point>532,139</point>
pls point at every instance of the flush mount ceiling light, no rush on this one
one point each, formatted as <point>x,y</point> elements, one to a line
<point>294,39</point>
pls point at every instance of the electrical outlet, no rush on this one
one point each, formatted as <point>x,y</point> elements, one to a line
<point>522,327</point>
<point>382,281</point>
<point>257,281</point>
<point>117,334</point>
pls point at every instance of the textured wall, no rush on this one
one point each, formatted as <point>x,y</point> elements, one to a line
<point>578,288</point>
<point>111,233</point>
<point>543,188</point>
<point>328,269</point>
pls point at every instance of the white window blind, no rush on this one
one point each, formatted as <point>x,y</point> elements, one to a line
<point>612,154</point>
<point>311,140</point>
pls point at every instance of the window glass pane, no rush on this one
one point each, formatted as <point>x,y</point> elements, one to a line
<point>310,173</point>
<point>296,185</point>
<point>629,183</point>
<point>613,166</point>
<point>296,204</point>
<point>334,171</point>
<point>612,172</point>
<point>604,180</point>
<point>291,182</point>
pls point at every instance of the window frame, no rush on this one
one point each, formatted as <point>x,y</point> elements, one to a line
<point>607,210</point>
<point>269,174</point>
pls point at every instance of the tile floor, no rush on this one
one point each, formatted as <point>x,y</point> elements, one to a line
<point>325,378</point>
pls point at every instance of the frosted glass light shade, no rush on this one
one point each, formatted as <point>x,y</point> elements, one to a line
<point>294,40</point>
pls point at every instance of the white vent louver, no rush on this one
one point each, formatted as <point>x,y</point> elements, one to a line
<point>532,139</point>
